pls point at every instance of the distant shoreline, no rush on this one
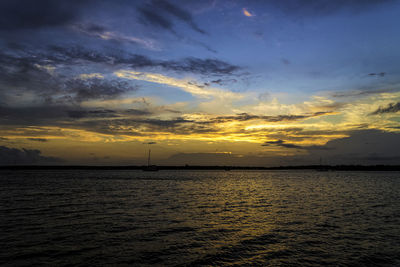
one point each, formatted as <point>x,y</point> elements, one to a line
<point>223,168</point>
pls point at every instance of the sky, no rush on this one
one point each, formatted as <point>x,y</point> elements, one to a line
<point>213,82</point>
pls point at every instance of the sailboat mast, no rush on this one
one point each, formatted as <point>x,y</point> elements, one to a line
<point>148,159</point>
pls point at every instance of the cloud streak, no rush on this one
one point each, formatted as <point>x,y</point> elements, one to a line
<point>38,139</point>
<point>278,118</point>
<point>96,88</point>
<point>207,66</point>
<point>391,108</point>
<point>185,85</point>
<point>285,144</point>
<point>158,13</point>
<point>103,33</point>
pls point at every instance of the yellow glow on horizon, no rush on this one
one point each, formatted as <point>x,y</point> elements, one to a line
<point>200,129</point>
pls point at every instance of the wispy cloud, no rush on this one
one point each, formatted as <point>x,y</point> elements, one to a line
<point>96,88</point>
<point>381,74</point>
<point>185,85</point>
<point>391,108</point>
<point>158,13</point>
<point>207,66</point>
<point>285,144</point>
<point>277,118</point>
<point>105,34</point>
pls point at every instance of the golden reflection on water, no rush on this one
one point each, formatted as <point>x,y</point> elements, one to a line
<point>202,218</point>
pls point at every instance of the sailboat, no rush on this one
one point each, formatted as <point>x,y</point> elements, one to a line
<point>321,168</point>
<point>150,168</point>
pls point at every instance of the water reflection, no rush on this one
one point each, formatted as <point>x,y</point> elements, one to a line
<point>200,218</point>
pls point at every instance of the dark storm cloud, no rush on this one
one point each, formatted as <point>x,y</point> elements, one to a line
<point>56,115</point>
<point>23,72</point>
<point>137,112</point>
<point>39,115</point>
<point>160,123</point>
<point>97,88</point>
<point>282,143</point>
<point>14,156</point>
<point>324,7</point>
<point>60,54</point>
<point>391,108</point>
<point>101,113</point>
<point>208,66</point>
<point>201,66</point>
<point>363,147</point>
<point>178,12</point>
<point>146,126</point>
<point>98,120</point>
<point>158,13</point>
<point>148,15</point>
<point>25,62</point>
<point>28,14</point>
<point>29,73</point>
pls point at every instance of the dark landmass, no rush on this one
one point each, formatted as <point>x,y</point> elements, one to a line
<point>226,168</point>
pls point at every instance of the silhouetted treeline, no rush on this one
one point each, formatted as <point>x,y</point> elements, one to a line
<point>226,168</point>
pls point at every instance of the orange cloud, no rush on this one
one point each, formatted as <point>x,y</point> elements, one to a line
<point>247,13</point>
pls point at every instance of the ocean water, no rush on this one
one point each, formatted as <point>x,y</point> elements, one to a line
<point>199,218</point>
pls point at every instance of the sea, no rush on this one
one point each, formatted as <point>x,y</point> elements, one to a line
<point>199,218</point>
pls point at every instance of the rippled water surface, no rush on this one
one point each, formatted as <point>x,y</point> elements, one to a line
<point>189,218</point>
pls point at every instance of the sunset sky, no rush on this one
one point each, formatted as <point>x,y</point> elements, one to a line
<point>258,83</point>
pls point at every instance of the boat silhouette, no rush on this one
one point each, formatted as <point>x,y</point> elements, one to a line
<point>149,167</point>
<point>321,168</point>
